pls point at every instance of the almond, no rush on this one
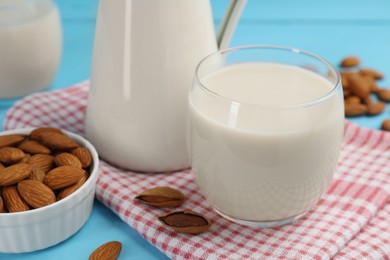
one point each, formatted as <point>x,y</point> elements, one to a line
<point>350,61</point>
<point>63,159</point>
<point>1,166</point>
<point>69,190</point>
<point>35,193</point>
<point>347,93</point>
<point>56,141</point>
<point>374,88</point>
<point>359,86</point>
<point>14,173</point>
<point>372,73</point>
<point>43,161</point>
<point>345,78</point>
<point>344,82</point>
<point>352,110</point>
<point>162,197</point>
<point>25,158</point>
<point>186,222</point>
<point>63,176</point>
<point>33,147</point>
<point>10,155</point>
<point>384,94</point>
<point>353,100</point>
<point>368,100</point>
<point>13,201</point>
<point>37,174</point>
<point>83,155</point>
<point>10,140</point>
<point>386,125</point>
<point>1,205</point>
<point>376,108</point>
<point>371,83</point>
<point>107,251</point>
<point>36,132</point>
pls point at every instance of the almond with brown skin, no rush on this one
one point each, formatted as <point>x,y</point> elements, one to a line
<point>372,73</point>
<point>64,159</point>
<point>347,93</point>
<point>345,77</point>
<point>1,205</point>
<point>10,155</point>
<point>386,125</point>
<point>344,82</point>
<point>83,155</point>
<point>376,108</point>
<point>352,110</point>
<point>13,201</point>
<point>1,166</point>
<point>353,100</point>
<point>56,141</point>
<point>36,132</point>
<point>107,251</point>
<point>368,101</point>
<point>359,86</point>
<point>384,94</point>
<point>371,83</point>
<point>35,193</point>
<point>350,61</point>
<point>11,140</point>
<point>25,158</point>
<point>37,174</point>
<point>69,190</point>
<point>374,88</point>
<point>33,147</point>
<point>14,173</point>
<point>162,197</point>
<point>63,176</point>
<point>186,222</point>
<point>43,161</point>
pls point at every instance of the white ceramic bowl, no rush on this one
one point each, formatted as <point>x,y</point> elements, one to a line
<point>41,228</point>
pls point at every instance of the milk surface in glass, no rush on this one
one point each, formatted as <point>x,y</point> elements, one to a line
<point>255,158</point>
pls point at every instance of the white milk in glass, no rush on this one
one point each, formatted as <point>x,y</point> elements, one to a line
<point>30,46</point>
<point>254,159</point>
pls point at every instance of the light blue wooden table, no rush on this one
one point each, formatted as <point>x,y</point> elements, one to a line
<point>329,28</point>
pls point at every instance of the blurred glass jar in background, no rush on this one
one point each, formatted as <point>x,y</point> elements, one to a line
<point>30,46</point>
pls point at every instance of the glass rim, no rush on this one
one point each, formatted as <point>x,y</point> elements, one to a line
<point>323,98</point>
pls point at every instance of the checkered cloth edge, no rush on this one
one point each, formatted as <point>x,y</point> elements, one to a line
<point>352,221</point>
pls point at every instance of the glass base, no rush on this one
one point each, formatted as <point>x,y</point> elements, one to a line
<point>262,224</point>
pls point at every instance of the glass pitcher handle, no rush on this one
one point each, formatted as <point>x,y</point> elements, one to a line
<point>229,23</point>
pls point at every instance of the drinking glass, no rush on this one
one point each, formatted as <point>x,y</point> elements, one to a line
<point>266,128</point>
<point>30,46</point>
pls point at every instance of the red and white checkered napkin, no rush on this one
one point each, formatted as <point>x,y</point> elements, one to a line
<point>352,221</point>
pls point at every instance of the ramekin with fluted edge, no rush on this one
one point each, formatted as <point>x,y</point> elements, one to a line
<point>44,227</point>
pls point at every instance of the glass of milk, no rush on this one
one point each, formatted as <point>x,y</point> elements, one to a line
<point>266,128</point>
<point>30,46</point>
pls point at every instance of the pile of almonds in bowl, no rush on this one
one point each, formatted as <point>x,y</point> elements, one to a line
<point>47,187</point>
<point>39,169</point>
<point>361,89</point>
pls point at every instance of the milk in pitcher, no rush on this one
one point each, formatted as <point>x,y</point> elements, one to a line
<point>145,55</point>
